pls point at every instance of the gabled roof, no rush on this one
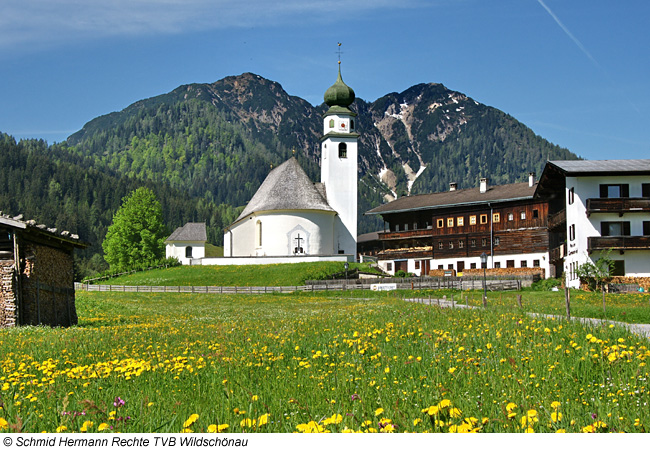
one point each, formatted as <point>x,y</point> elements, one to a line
<point>287,187</point>
<point>191,231</point>
<point>460,197</point>
<point>603,167</point>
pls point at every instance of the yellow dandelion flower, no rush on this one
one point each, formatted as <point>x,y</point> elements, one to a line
<point>444,404</point>
<point>560,430</point>
<point>263,419</point>
<point>248,423</point>
<point>254,398</point>
<point>222,427</point>
<point>103,426</point>
<point>86,425</point>
<point>379,411</point>
<point>529,430</point>
<point>556,416</point>
<point>59,429</point>
<point>455,413</point>
<point>387,370</point>
<point>451,370</point>
<point>190,420</point>
<point>555,405</point>
<point>417,422</point>
<point>187,430</point>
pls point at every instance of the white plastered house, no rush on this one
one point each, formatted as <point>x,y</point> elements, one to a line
<point>187,243</point>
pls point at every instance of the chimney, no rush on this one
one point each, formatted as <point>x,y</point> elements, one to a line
<point>531,179</point>
<point>453,186</point>
<point>484,185</point>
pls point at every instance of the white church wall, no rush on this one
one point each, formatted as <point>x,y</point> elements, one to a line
<point>281,231</point>
<point>248,260</point>
<point>178,250</point>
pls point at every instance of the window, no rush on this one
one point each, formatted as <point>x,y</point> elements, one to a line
<point>497,265</point>
<point>440,245</point>
<point>619,268</point>
<point>524,264</point>
<point>645,190</point>
<point>351,124</point>
<point>440,267</point>
<point>472,266</point>
<point>496,217</point>
<point>472,220</point>
<point>440,223</point>
<point>331,123</point>
<point>535,214</point>
<point>258,233</point>
<point>646,228</point>
<point>343,150</point>
<point>472,243</point>
<point>510,263</point>
<point>497,241</point>
<point>511,217</point>
<point>614,190</point>
<point>188,251</point>
<point>396,227</point>
<point>614,228</point>
<point>417,265</point>
<point>535,262</point>
<point>571,196</point>
<point>450,222</point>
<point>450,267</point>
<point>522,215</point>
<point>415,225</point>
<point>461,244</point>
<point>483,218</point>
<point>406,227</point>
<point>460,221</point>
<point>389,267</point>
<point>572,232</point>
<point>483,242</point>
<point>451,245</point>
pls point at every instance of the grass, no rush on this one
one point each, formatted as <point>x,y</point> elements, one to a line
<point>299,362</point>
<point>249,275</point>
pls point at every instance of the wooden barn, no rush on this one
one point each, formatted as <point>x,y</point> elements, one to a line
<point>36,274</point>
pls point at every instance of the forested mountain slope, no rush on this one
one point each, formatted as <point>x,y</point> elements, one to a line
<point>206,148</point>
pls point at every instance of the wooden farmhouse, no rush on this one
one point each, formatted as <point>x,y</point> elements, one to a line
<point>449,231</point>
<point>36,274</point>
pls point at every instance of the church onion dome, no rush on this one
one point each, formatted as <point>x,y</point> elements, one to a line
<point>339,94</point>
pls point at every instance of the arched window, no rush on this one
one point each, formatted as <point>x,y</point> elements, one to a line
<point>331,123</point>
<point>351,124</point>
<point>258,233</point>
<point>343,150</point>
<point>188,251</point>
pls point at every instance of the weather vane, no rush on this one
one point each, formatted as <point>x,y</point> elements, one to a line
<point>339,51</point>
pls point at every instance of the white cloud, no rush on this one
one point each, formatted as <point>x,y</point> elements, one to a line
<point>28,23</point>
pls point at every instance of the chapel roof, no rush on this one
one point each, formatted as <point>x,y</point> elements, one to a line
<point>191,231</point>
<point>287,187</point>
<point>602,167</point>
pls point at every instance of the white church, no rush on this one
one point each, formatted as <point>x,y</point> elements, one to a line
<point>292,219</point>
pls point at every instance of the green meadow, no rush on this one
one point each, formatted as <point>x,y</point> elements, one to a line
<point>350,362</point>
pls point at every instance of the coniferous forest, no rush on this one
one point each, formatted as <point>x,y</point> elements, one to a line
<point>204,149</point>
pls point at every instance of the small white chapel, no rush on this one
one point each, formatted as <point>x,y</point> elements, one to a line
<point>292,219</point>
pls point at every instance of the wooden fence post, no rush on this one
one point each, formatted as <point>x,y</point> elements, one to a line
<point>519,300</point>
<point>567,299</point>
<point>604,309</point>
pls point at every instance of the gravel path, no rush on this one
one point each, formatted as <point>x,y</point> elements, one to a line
<point>640,329</point>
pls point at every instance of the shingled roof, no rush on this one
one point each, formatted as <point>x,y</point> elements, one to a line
<point>36,229</point>
<point>603,167</point>
<point>287,187</point>
<point>191,231</point>
<point>460,197</point>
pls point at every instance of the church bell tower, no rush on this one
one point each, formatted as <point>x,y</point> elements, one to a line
<point>339,163</point>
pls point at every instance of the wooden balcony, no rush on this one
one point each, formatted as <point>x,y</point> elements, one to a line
<point>617,205</point>
<point>619,243</point>
<point>405,253</point>
<point>557,253</point>
<point>390,235</point>
<point>557,220</point>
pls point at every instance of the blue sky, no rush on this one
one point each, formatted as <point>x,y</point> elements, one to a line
<point>576,72</point>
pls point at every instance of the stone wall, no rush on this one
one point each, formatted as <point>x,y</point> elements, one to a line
<point>7,294</point>
<point>48,287</point>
